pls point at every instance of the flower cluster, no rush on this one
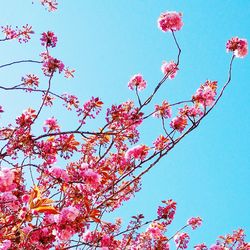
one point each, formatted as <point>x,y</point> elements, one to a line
<point>163,111</point>
<point>205,94</point>
<point>49,39</point>
<point>138,82</point>
<point>51,5</point>
<point>168,211</point>
<point>137,153</point>
<point>77,175</point>
<point>161,143</point>
<point>7,178</point>
<point>30,81</point>
<point>170,21</point>
<point>70,101</point>
<point>194,222</point>
<point>169,69</point>
<point>21,34</point>
<point>179,123</point>
<point>181,240</point>
<point>51,65</point>
<point>238,46</point>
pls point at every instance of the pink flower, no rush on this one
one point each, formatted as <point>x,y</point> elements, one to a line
<point>169,69</point>
<point>216,247</point>
<point>156,230</point>
<point>5,245</point>
<point>137,153</point>
<point>192,111</point>
<point>59,173</point>
<point>51,5</point>
<point>170,21</point>
<point>68,214</point>
<point>194,222</point>
<point>163,111</point>
<point>181,240</point>
<point>201,246</point>
<point>51,125</point>
<point>30,80</point>
<point>206,93</point>
<point>48,39</point>
<point>91,177</point>
<point>69,73</point>
<point>7,178</point>
<point>1,109</point>
<point>179,123</point>
<point>51,64</point>
<point>161,143</point>
<point>21,34</point>
<point>238,46</point>
<point>168,211</point>
<point>66,233</point>
<point>70,100</point>
<point>137,81</point>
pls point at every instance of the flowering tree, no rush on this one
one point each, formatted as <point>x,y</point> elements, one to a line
<point>62,207</point>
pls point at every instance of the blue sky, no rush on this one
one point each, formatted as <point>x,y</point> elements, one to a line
<point>109,41</point>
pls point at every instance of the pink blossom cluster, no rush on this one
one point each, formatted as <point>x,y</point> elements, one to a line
<point>179,123</point>
<point>26,118</point>
<point>169,69</point>
<point>49,39</point>
<point>21,34</point>
<point>238,46</point>
<point>156,230</point>
<point>51,65</point>
<point>51,125</point>
<point>163,111</point>
<point>7,178</point>
<point>161,143</point>
<point>194,222</point>
<point>137,153</point>
<point>90,108</point>
<point>70,101</point>
<point>170,21</point>
<point>192,111</point>
<point>168,211</point>
<point>69,73</point>
<point>181,240</point>
<point>51,5</point>
<point>59,174</point>
<point>206,93</point>
<point>137,81</point>
<point>30,81</point>
<point>91,177</point>
<point>201,246</point>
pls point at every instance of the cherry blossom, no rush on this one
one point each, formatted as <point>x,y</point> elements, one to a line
<point>49,39</point>
<point>7,177</point>
<point>238,46</point>
<point>31,81</point>
<point>170,21</point>
<point>205,95</point>
<point>163,111</point>
<point>179,123</point>
<point>201,246</point>
<point>181,240</point>
<point>194,222</point>
<point>21,34</point>
<point>138,82</point>
<point>57,185</point>
<point>51,5</point>
<point>169,69</point>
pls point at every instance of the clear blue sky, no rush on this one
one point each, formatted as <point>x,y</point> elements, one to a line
<point>107,42</point>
